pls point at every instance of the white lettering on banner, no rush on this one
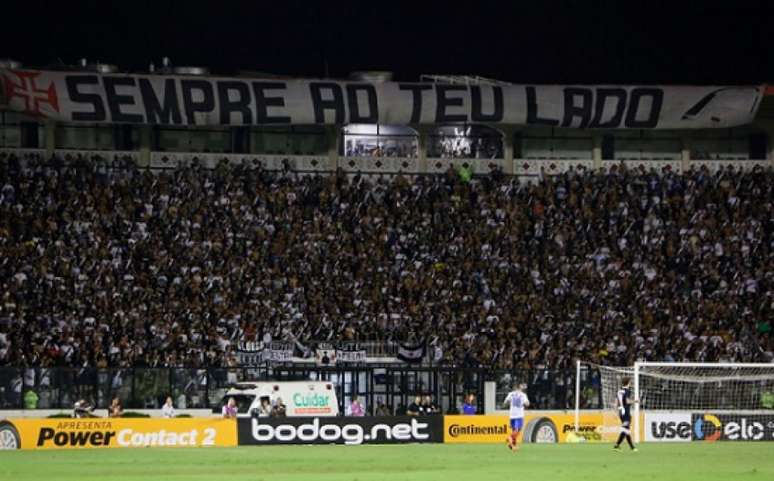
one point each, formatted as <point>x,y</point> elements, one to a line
<point>349,433</point>
<point>668,427</point>
<point>254,353</point>
<point>173,100</point>
<point>353,356</point>
<point>732,427</point>
<point>128,437</point>
<point>753,431</point>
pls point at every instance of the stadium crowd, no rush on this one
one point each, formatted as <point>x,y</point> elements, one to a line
<point>460,146</point>
<point>106,265</point>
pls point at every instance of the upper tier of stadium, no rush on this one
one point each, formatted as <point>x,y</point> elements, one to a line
<point>370,124</point>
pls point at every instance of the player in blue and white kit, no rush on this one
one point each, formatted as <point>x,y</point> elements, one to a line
<point>516,401</point>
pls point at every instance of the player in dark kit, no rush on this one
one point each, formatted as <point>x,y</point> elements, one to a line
<point>624,401</point>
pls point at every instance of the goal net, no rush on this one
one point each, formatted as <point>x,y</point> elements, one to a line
<point>676,387</point>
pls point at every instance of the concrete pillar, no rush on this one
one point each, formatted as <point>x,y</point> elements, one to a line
<point>685,153</point>
<point>768,127</point>
<point>596,150</point>
<point>490,397</point>
<point>146,145</point>
<point>334,138</point>
<point>49,137</point>
<point>508,134</point>
<point>770,141</point>
<point>422,144</point>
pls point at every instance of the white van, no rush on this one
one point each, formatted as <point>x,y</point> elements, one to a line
<point>302,398</point>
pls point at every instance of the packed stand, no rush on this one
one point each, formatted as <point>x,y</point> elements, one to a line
<point>106,265</point>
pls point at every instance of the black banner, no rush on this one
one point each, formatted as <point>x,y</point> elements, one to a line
<point>412,354</point>
<point>733,427</point>
<point>341,430</point>
<point>256,353</point>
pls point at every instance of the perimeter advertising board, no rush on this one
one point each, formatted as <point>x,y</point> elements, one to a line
<point>710,427</point>
<point>341,430</point>
<point>116,433</point>
<point>539,427</point>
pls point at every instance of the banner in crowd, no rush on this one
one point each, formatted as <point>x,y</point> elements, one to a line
<point>116,433</point>
<point>411,353</point>
<point>341,430</point>
<point>325,355</point>
<point>254,353</point>
<point>351,356</point>
<point>205,101</point>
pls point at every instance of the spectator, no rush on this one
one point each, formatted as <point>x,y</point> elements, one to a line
<point>355,408</point>
<point>469,406</point>
<point>279,409</point>
<point>116,410</point>
<point>31,399</point>
<point>229,411</point>
<point>465,173</point>
<point>382,409</point>
<point>17,385</point>
<point>264,410</point>
<point>168,409</point>
<point>83,409</point>
<point>416,408</point>
<point>429,406</point>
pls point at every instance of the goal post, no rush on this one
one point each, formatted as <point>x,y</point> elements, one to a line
<point>675,387</point>
<point>596,387</point>
<point>577,394</point>
<point>637,405</point>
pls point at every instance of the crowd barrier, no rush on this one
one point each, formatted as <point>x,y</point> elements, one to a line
<point>540,427</point>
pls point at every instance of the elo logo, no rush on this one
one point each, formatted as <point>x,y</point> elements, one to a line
<point>709,427</point>
<point>699,428</point>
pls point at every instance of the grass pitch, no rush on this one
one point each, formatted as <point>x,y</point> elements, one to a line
<point>428,462</point>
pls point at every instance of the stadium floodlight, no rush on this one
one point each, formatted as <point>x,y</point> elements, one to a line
<point>676,387</point>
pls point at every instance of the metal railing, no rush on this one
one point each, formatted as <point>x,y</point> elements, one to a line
<point>393,386</point>
<point>522,168</point>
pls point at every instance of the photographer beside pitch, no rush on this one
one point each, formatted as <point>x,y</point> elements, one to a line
<point>623,402</point>
<point>516,400</point>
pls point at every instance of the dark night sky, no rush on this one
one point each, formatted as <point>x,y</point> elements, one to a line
<point>585,41</point>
